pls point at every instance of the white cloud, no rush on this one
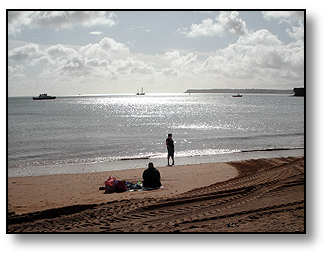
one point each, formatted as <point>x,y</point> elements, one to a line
<point>260,37</point>
<point>185,62</point>
<point>180,65</point>
<point>206,28</point>
<point>74,64</point>
<point>170,72</point>
<point>293,18</point>
<point>60,51</point>
<point>297,32</point>
<point>232,23</point>
<point>44,61</point>
<point>132,66</point>
<point>255,59</point>
<point>104,49</point>
<point>18,20</point>
<point>22,53</point>
<point>171,55</point>
<point>15,70</point>
<point>96,63</point>
<point>96,33</point>
<point>258,57</point>
<point>225,22</point>
<point>283,16</point>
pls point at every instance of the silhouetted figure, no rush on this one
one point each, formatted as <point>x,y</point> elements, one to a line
<point>170,149</point>
<point>151,177</point>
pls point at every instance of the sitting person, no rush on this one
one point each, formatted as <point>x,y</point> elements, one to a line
<point>151,177</point>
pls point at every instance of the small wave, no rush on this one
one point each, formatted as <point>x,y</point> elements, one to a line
<point>134,158</point>
<point>271,149</point>
<point>204,152</point>
<point>146,156</point>
<point>202,127</point>
<point>251,137</point>
<point>63,162</point>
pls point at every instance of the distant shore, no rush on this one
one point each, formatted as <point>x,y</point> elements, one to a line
<point>241,91</point>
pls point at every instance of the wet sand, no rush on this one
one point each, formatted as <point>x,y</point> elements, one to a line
<point>263,195</point>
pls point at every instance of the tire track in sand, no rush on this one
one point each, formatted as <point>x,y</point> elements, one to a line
<point>257,198</point>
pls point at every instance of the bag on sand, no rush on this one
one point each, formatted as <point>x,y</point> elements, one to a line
<point>120,186</point>
<point>110,185</point>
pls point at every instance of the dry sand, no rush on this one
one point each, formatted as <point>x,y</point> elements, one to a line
<point>31,194</point>
<point>264,195</point>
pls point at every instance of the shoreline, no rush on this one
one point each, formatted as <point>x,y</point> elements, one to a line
<point>142,163</point>
<point>261,195</point>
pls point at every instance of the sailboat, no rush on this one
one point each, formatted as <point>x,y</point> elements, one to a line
<point>142,92</point>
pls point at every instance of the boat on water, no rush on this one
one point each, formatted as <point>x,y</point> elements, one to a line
<point>44,97</point>
<point>238,95</point>
<point>142,92</point>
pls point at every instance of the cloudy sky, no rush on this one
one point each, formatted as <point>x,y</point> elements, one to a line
<point>118,52</point>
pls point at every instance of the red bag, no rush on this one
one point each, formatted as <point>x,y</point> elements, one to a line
<point>110,185</point>
<point>120,186</point>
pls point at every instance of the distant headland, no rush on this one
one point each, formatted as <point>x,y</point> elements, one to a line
<point>242,91</point>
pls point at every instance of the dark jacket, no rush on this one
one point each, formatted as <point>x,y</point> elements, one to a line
<point>151,178</point>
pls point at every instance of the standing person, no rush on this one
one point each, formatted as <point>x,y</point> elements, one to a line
<point>170,149</point>
<point>151,177</point>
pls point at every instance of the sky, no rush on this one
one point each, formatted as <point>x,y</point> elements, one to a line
<point>118,52</point>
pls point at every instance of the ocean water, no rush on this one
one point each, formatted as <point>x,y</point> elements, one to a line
<point>100,133</point>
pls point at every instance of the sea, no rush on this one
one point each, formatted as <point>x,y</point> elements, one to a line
<point>80,134</point>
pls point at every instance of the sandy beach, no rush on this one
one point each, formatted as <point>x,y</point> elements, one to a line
<point>262,195</point>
